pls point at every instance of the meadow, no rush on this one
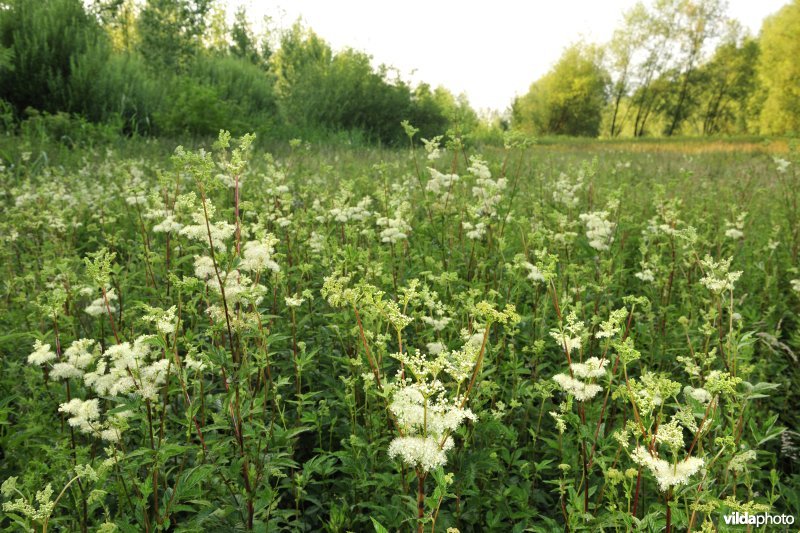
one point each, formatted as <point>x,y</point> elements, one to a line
<point>443,337</point>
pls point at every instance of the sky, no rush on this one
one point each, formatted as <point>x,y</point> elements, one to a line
<point>491,50</point>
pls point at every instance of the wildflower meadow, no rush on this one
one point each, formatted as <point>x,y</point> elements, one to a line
<point>436,338</point>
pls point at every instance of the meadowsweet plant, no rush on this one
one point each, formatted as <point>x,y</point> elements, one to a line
<point>444,337</point>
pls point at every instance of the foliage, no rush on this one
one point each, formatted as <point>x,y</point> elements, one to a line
<point>43,39</point>
<point>527,338</point>
<point>778,70</point>
<point>569,99</point>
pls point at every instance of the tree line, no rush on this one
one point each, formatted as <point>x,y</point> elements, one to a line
<point>673,67</point>
<point>176,67</point>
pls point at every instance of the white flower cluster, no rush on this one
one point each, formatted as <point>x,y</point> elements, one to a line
<point>486,190</point>
<point>418,413</point>
<point>534,273</point>
<point>433,148</point>
<point>591,368</point>
<point>134,369</point>
<point>781,165</point>
<point>358,213</point>
<point>441,184</point>
<point>85,416</point>
<point>671,434</point>
<point>667,475</point>
<point>394,229</point>
<point>76,359</point>
<point>257,255</point>
<point>580,390</point>
<point>647,275</point>
<point>700,394</point>
<point>165,321</point>
<point>435,348</point>
<point>220,231</point>
<point>733,230</point>
<point>795,285</point>
<point>475,231</point>
<point>294,301</point>
<point>739,462</point>
<point>423,452</point>
<point>136,187</point>
<point>718,278</point>
<point>438,324</point>
<point>41,354</point>
<point>566,191</point>
<point>426,424</point>
<point>316,242</point>
<point>599,230</point>
<point>569,339</point>
<point>166,220</point>
<point>424,412</point>
<point>98,306</point>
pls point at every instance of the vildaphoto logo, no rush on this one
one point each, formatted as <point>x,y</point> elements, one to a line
<point>745,519</point>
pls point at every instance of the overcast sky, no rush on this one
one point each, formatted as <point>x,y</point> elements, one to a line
<point>491,50</point>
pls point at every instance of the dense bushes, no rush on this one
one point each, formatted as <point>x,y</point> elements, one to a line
<point>167,77</point>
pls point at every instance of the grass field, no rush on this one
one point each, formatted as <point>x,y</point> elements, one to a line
<point>597,336</point>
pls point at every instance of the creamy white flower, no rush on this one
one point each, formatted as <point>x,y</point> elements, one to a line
<point>441,184</point>
<point>85,414</point>
<point>438,324</point>
<point>475,231</point>
<point>566,191</point>
<point>670,434</point>
<point>98,306</point>
<point>580,390</point>
<point>432,148</point>
<point>435,348</point>
<point>734,233</point>
<point>136,370</point>
<point>418,415</point>
<point>570,344</point>
<point>699,394</point>
<point>316,242</point>
<point>486,191</point>
<point>599,230</point>
<point>423,452</point>
<point>294,301</point>
<point>204,267</point>
<point>220,231</point>
<point>64,371</point>
<point>41,354</point>
<point>739,461</point>
<point>591,368</point>
<point>534,274</point>
<point>667,475</point>
<point>168,225</point>
<point>781,165</point>
<point>395,229</point>
<point>257,255</point>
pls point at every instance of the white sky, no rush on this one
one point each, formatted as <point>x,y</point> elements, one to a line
<point>491,50</point>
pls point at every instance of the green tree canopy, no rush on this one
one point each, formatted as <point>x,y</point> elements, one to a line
<point>779,71</point>
<point>569,99</point>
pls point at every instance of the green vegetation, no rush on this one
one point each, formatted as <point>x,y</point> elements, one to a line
<point>174,68</point>
<point>676,67</point>
<point>382,312</point>
<point>423,339</point>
